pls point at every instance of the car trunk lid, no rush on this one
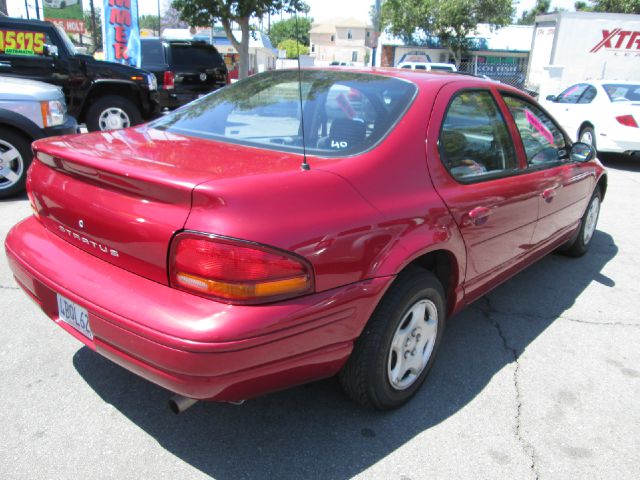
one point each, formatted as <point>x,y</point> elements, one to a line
<point>122,195</point>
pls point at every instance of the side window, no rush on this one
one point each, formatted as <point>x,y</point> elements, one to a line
<point>543,142</point>
<point>588,95</point>
<point>22,42</point>
<point>572,94</point>
<point>474,139</point>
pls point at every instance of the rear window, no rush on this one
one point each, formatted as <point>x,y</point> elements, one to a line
<point>189,56</point>
<point>345,113</point>
<point>152,53</point>
<point>622,92</point>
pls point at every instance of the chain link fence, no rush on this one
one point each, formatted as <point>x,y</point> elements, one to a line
<point>512,73</point>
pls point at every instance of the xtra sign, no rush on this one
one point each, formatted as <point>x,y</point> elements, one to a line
<point>120,32</point>
<point>618,39</point>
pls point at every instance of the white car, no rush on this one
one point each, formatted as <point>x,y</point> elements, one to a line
<point>429,66</point>
<point>604,113</point>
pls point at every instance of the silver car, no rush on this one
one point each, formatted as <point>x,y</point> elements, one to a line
<point>29,110</point>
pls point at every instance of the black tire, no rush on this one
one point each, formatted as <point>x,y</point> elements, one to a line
<point>13,141</point>
<point>107,102</point>
<point>365,377</point>
<point>590,132</point>
<point>580,244</point>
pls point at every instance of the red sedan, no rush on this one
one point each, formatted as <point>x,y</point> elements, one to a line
<point>292,227</point>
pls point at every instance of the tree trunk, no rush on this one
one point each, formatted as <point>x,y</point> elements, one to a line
<point>242,46</point>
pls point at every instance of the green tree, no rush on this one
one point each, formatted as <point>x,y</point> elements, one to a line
<point>582,7</point>
<point>202,13</point>
<point>529,16</point>
<point>285,29</point>
<point>149,22</point>
<point>616,6</point>
<point>293,48</point>
<point>451,21</point>
<point>96,35</point>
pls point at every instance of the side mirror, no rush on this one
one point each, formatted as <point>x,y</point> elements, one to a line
<point>552,98</point>
<point>582,152</point>
<point>51,51</point>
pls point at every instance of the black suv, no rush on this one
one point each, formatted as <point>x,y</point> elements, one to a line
<point>184,69</point>
<point>104,95</point>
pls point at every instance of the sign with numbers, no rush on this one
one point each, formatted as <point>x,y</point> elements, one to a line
<point>18,42</point>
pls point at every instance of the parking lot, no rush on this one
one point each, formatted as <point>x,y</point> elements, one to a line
<point>540,379</point>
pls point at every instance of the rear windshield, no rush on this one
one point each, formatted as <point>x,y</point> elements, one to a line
<point>345,113</point>
<point>194,56</point>
<point>622,92</point>
<point>152,53</point>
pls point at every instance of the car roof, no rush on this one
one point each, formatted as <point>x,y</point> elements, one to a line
<point>422,78</point>
<point>24,21</point>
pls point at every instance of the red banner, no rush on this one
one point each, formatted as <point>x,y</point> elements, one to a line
<point>68,25</point>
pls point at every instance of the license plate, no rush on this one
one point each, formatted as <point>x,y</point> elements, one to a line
<point>74,315</point>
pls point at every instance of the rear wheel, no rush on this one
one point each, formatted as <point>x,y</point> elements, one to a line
<point>112,112</point>
<point>394,354</point>
<point>588,135</point>
<point>15,158</point>
<point>581,243</point>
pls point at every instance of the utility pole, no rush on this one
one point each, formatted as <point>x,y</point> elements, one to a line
<point>376,32</point>
<point>26,8</point>
<point>94,33</point>
<point>159,24</point>
<point>37,10</point>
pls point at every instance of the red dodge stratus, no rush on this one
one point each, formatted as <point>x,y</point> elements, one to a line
<point>299,225</point>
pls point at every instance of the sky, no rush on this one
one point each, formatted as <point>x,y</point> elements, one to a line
<point>320,9</point>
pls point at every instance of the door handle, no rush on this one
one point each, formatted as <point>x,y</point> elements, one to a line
<point>548,194</point>
<point>478,216</point>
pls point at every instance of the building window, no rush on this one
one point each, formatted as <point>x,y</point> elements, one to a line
<point>349,34</point>
<point>313,48</point>
<point>333,38</point>
<point>354,56</point>
<point>368,34</point>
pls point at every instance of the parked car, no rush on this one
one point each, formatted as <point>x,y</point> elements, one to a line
<point>602,113</point>
<point>28,111</point>
<point>446,67</point>
<point>227,253</point>
<point>184,69</point>
<point>104,95</point>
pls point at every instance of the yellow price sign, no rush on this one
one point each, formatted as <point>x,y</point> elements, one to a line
<point>18,42</point>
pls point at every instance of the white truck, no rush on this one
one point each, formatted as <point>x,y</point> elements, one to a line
<point>570,47</point>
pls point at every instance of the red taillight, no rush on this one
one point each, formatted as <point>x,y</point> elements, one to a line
<point>169,80</point>
<point>235,271</point>
<point>627,120</point>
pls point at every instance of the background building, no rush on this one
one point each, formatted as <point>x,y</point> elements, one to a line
<point>346,40</point>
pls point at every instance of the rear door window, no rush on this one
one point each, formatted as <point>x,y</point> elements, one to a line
<point>474,139</point>
<point>23,42</point>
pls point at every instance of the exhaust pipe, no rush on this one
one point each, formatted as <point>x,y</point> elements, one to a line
<point>179,404</point>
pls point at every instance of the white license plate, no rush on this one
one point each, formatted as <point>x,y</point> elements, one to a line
<point>74,315</point>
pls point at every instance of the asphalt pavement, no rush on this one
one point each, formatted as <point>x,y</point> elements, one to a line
<point>539,379</point>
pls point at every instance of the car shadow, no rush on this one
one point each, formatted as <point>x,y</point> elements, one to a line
<point>314,431</point>
<point>619,161</point>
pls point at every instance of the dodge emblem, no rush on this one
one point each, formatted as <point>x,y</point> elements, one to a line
<point>203,77</point>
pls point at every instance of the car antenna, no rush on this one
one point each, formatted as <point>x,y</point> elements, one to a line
<point>305,164</point>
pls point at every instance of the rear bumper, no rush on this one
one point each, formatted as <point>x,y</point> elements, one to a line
<point>175,98</point>
<point>190,345</point>
<point>619,144</point>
